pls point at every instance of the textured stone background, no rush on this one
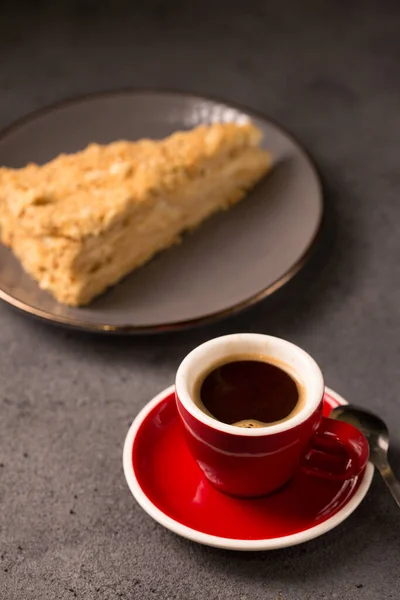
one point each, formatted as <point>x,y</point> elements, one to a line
<point>329,71</point>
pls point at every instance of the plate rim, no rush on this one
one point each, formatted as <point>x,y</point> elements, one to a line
<point>207,539</point>
<point>81,324</point>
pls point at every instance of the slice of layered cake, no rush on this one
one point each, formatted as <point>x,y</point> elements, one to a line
<point>81,222</point>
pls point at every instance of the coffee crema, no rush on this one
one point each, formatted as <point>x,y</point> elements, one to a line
<point>250,391</point>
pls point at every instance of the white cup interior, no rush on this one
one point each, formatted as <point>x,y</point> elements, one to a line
<point>202,359</point>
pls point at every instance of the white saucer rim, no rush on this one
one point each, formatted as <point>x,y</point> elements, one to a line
<point>222,542</point>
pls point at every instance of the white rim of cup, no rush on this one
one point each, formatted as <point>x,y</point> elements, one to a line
<point>240,343</point>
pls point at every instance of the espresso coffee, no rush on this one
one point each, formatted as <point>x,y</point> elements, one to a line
<point>250,392</point>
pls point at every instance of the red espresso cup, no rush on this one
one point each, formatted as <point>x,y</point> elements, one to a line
<point>255,462</point>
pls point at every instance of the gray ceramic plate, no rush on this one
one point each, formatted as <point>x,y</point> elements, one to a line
<point>233,260</point>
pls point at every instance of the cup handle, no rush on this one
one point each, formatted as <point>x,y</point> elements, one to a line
<point>338,451</point>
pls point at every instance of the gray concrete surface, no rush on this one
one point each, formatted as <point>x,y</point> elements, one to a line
<point>69,527</point>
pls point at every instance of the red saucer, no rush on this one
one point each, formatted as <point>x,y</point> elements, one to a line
<point>168,484</point>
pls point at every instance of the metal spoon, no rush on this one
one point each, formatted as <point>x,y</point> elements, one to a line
<point>377,434</point>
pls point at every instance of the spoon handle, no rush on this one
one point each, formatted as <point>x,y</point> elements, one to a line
<point>391,481</point>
